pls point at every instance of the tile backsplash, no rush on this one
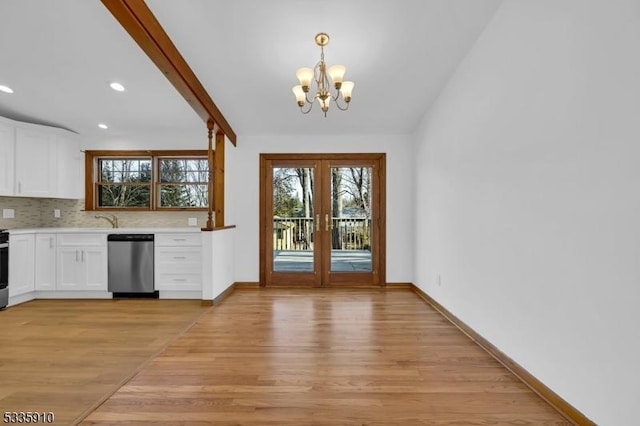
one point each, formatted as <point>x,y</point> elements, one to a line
<point>39,212</point>
<point>26,212</point>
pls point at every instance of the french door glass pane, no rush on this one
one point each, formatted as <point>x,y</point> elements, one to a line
<point>293,219</point>
<point>351,231</point>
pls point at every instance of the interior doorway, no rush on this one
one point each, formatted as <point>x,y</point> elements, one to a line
<point>322,220</point>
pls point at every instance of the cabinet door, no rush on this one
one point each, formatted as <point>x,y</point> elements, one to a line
<point>70,179</point>
<point>45,261</point>
<point>7,144</point>
<point>94,266</point>
<point>35,165</point>
<point>68,269</point>
<point>21,264</point>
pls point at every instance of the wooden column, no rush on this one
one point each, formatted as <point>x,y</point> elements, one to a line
<point>218,179</point>
<point>210,221</point>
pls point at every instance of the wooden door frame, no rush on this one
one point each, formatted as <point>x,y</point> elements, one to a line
<point>379,223</point>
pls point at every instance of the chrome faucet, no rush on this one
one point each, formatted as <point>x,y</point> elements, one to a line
<point>112,219</point>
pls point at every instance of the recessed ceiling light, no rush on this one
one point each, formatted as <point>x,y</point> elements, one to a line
<point>117,87</point>
<point>103,126</point>
<point>5,89</point>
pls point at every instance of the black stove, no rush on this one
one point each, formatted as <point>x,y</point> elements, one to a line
<point>4,268</point>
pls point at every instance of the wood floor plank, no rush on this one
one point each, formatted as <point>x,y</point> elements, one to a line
<point>324,357</point>
<point>65,356</point>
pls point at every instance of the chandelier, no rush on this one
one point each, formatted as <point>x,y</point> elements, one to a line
<point>320,74</point>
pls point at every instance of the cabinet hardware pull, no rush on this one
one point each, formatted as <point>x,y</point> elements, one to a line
<point>82,255</point>
<point>50,242</point>
<point>179,239</point>
<point>19,187</point>
<point>76,255</point>
<point>326,222</point>
<point>179,257</point>
<point>318,222</point>
<point>179,279</point>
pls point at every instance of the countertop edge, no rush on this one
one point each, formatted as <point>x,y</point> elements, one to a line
<point>19,231</point>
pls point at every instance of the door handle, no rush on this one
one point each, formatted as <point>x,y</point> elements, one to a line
<point>318,222</point>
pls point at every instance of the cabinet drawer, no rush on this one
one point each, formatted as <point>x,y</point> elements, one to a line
<point>178,281</point>
<point>178,240</point>
<point>83,240</point>
<point>171,256</point>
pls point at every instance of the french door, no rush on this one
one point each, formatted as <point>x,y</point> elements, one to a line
<point>322,219</point>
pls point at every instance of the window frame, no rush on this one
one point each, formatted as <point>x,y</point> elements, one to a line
<point>92,176</point>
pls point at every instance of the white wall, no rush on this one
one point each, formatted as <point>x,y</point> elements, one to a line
<point>242,189</point>
<point>528,197</point>
<point>149,139</point>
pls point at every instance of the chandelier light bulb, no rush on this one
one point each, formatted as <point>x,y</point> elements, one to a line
<point>305,75</point>
<point>324,103</point>
<point>300,96</point>
<point>346,89</point>
<point>336,72</point>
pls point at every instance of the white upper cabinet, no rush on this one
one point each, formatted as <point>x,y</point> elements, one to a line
<point>36,162</point>
<point>7,146</point>
<point>39,161</point>
<point>70,178</point>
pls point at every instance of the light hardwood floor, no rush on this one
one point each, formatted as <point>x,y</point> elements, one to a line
<point>324,357</point>
<point>66,356</point>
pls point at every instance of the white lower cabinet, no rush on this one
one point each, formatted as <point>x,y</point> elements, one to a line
<point>21,264</point>
<point>82,262</point>
<point>178,262</point>
<point>45,262</point>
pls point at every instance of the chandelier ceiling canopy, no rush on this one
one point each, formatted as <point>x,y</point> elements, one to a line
<point>322,77</point>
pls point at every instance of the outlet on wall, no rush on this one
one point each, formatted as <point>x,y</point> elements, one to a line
<point>193,221</point>
<point>56,213</point>
<point>8,213</point>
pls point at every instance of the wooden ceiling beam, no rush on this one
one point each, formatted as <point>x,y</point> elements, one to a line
<point>138,20</point>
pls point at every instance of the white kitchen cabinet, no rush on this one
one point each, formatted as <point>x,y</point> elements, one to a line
<point>7,147</point>
<point>45,262</point>
<point>178,262</point>
<point>70,175</point>
<point>39,161</point>
<point>82,262</point>
<point>35,162</point>
<point>21,264</point>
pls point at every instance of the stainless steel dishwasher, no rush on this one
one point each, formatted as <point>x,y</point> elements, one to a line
<point>130,259</point>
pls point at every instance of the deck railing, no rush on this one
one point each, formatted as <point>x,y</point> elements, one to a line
<point>297,233</point>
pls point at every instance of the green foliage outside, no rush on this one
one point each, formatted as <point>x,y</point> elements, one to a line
<point>128,183</point>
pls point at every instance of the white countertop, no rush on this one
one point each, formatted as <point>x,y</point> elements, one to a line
<point>103,230</point>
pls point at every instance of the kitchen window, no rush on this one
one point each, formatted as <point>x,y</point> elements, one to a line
<point>146,180</point>
<point>183,182</point>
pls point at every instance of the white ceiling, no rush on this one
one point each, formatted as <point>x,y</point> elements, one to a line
<point>59,57</point>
